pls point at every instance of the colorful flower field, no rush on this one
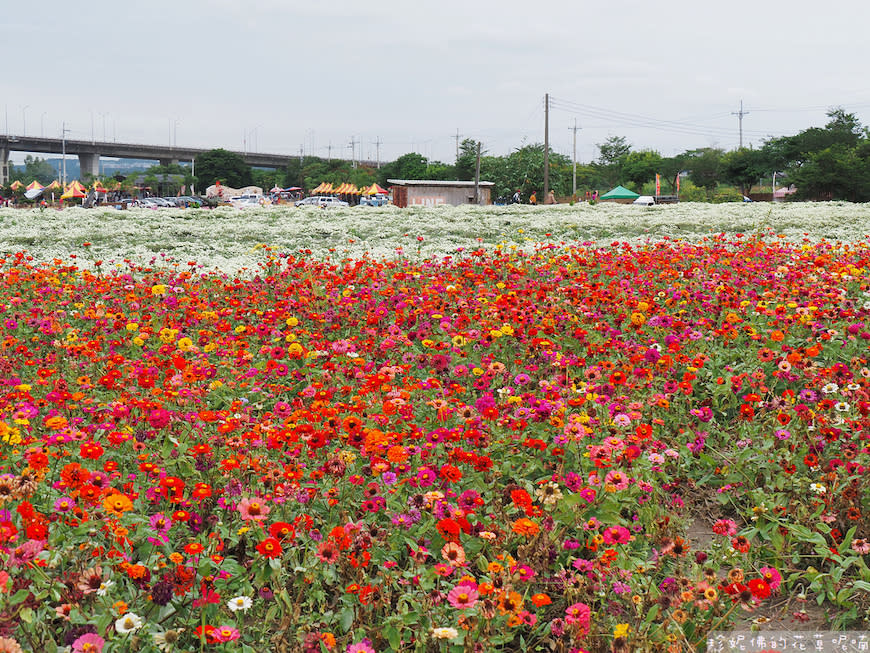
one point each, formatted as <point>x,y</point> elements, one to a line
<point>560,446</point>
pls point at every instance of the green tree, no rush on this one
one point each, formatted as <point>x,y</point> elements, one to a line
<point>612,154</point>
<point>411,166</point>
<point>838,172</point>
<point>267,179</point>
<point>466,164</point>
<point>743,168</point>
<point>228,167</point>
<point>641,166</point>
<point>670,168</point>
<point>38,169</point>
<point>704,167</point>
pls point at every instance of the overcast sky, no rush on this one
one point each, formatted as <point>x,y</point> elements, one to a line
<point>280,75</point>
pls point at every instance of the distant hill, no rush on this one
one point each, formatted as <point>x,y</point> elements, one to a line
<point>73,170</point>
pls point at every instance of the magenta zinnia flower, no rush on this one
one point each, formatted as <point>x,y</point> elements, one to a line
<point>226,634</point>
<point>616,535</point>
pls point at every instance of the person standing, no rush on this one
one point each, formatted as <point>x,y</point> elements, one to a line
<point>516,198</point>
<point>533,198</point>
<point>551,197</point>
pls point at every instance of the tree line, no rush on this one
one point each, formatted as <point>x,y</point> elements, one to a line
<point>823,163</point>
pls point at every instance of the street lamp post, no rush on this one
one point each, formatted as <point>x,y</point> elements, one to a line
<point>42,125</point>
<point>64,131</point>
<point>24,119</point>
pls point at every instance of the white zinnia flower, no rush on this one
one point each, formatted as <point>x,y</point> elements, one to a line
<point>444,633</point>
<point>127,623</point>
<point>239,603</point>
<point>105,586</point>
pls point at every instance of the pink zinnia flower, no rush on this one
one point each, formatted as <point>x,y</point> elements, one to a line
<point>578,615</point>
<point>725,527</point>
<point>225,634</point>
<point>771,576</point>
<point>365,646</point>
<point>88,643</point>
<point>859,545</point>
<point>463,596</point>
<point>253,509</point>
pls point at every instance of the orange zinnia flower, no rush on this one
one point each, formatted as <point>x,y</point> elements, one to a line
<point>117,504</point>
<point>526,527</point>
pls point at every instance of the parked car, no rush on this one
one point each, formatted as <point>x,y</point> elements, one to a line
<point>373,200</point>
<point>187,200</point>
<point>645,200</point>
<point>246,201</point>
<point>147,203</point>
<point>322,201</point>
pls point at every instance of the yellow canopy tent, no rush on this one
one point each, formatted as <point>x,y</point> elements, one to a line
<point>15,185</point>
<point>35,185</point>
<point>55,185</point>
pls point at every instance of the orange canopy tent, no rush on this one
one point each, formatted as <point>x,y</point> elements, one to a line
<point>15,185</point>
<point>55,185</point>
<point>35,185</point>
<point>99,188</point>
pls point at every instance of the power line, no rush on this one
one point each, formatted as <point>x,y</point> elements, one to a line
<point>621,119</point>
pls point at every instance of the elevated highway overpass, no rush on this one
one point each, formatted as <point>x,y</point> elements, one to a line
<point>89,153</point>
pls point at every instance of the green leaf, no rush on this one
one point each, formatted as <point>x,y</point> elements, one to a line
<point>843,595</point>
<point>861,585</point>
<point>847,540</point>
<point>346,619</point>
<point>393,638</point>
<point>26,615</point>
<point>19,596</point>
<point>652,614</point>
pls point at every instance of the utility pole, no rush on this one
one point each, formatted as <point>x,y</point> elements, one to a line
<point>457,143</point>
<point>740,115</point>
<point>546,146</point>
<point>377,145</point>
<point>352,146</point>
<point>477,177</point>
<point>574,173</point>
<point>329,152</point>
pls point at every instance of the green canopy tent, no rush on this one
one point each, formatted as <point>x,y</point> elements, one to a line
<point>620,193</point>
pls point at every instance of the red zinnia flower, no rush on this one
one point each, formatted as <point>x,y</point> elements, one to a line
<point>270,548</point>
<point>759,588</point>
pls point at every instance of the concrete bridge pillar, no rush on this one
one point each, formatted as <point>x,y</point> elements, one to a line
<point>90,164</point>
<point>4,165</point>
<point>169,162</point>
